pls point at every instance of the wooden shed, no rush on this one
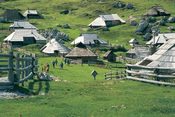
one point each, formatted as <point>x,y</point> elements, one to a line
<point>110,56</point>
<point>81,53</point>
<point>11,15</point>
<point>32,14</point>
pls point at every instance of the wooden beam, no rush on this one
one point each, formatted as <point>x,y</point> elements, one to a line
<point>150,81</point>
<point>26,78</point>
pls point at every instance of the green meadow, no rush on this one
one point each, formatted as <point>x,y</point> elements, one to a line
<point>74,92</point>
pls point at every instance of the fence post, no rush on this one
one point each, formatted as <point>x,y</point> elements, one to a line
<point>111,74</point>
<point>23,71</point>
<point>17,78</point>
<point>10,65</point>
<point>26,64</point>
<point>105,76</point>
<point>35,65</point>
<point>116,74</point>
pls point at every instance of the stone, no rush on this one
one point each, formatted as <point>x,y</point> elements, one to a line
<point>133,23</point>
<point>65,12</point>
<point>129,6</point>
<point>119,4</point>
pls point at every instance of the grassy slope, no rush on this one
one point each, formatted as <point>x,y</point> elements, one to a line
<point>117,35</point>
<point>81,96</point>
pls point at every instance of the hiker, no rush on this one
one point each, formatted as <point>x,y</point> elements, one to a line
<point>61,65</point>
<point>47,67</point>
<point>53,64</point>
<point>65,61</point>
<point>68,62</point>
<point>94,74</point>
<point>56,62</point>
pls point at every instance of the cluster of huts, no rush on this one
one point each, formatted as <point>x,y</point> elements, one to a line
<point>11,15</point>
<point>157,58</point>
<point>25,33</point>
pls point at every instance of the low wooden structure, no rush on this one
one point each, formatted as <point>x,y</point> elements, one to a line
<point>20,68</point>
<point>110,56</point>
<point>11,15</point>
<point>115,75</point>
<point>82,54</point>
<point>151,73</point>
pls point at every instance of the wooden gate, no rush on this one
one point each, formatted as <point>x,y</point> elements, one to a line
<point>19,67</point>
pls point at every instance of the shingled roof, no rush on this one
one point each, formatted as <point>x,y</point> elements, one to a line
<point>164,57</point>
<point>157,11</point>
<point>80,51</point>
<point>88,39</point>
<point>19,34</point>
<point>53,46</point>
<point>22,25</point>
<point>11,15</point>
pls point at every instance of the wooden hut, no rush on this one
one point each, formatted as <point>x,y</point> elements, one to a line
<point>21,25</point>
<point>157,11</point>
<point>89,39</point>
<point>21,37</point>
<point>32,14</point>
<point>110,56</point>
<point>106,21</point>
<point>11,15</point>
<point>159,66</point>
<point>53,47</point>
<point>81,53</point>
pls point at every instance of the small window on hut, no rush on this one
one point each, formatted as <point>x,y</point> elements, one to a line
<point>145,62</point>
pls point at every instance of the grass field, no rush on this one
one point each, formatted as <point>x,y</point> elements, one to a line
<point>78,95</point>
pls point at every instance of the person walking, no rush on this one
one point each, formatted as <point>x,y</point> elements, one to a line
<point>53,64</point>
<point>61,65</point>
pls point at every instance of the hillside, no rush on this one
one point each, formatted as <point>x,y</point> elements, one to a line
<point>72,91</point>
<point>82,13</point>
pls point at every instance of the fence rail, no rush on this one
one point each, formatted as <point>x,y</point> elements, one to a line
<point>115,75</point>
<point>20,68</point>
<point>155,75</point>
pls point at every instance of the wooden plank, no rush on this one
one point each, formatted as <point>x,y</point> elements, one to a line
<point>25,68</point>
<point>17,78</point>
<point>26,59</point>
<point>140,73</point>
<point>4,68</point>
<point>150,81</point>
<point>5,55</point>
<point>11,73</point>
<point>26,78</point>
<point>148,68</point>
<point>3,60</point>
<point>149,74</point>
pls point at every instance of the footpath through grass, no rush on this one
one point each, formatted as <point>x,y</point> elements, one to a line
<point>78,95</point>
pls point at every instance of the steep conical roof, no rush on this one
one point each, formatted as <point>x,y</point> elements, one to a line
<point>53,46</point>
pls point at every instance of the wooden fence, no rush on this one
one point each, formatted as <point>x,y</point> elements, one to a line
<point>115,75</point>
<point>19,67</point>
<point>159,75</point>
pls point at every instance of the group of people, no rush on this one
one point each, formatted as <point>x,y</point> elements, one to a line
<point>54,63</point>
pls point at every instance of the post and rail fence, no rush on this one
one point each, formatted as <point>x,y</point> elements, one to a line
<point>115,75</point>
